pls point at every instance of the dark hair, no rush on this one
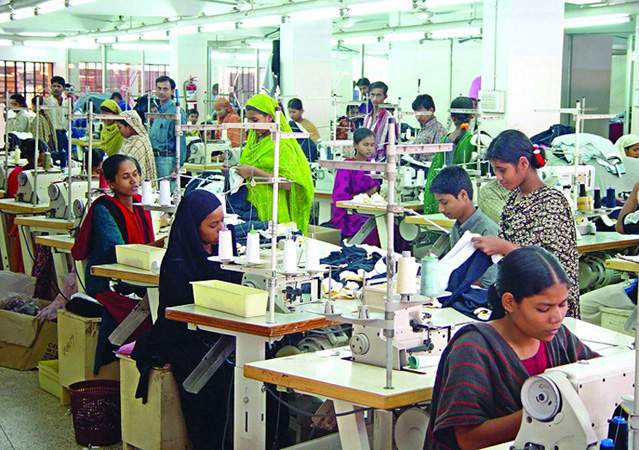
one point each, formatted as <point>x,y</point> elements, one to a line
<point>379,85</point>
<point>452,180</point>
<point>524,272</point>
<point>254,109</point>
<point>35,99</point>
<point>510,145</point>
<point>164,79</point>
<point>295,103</point>
<point>111,165</point>
<point>116,95</point>
<point>57,79</point>
<point>20,99</point>
<point>27,148</point>
<point>194,111</point>
<point>462,103</point>
<point>363,82</point>
<point>361,134</point>
<point>423,101</point>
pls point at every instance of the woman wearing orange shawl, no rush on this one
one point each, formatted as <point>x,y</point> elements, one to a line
<point>226,114</point>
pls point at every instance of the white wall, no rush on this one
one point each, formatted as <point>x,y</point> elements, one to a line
<point>36,54</point>
<point>618,84</point>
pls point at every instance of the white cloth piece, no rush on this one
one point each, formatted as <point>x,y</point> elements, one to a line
<point>235,180</point>
<point>461,251</point>
<point>611,296</point>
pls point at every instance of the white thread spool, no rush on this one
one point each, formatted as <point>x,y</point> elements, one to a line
<point>225,245</point>
<point>407,275</point>
<point>147,193</point>
<point>312,255</point>
<point>290,256</point>
<point>253,247</point>
<point>165,193</point>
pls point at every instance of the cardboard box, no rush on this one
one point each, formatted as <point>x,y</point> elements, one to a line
<point>324,234</point>
<point>158,424</point>
<point>49,380</point>
<point>77,342</point>
<point>25,341</point>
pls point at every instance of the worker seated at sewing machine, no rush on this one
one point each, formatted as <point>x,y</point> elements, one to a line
<point>27,151</point>
<point>617,295</point>
<point>349,183</point>
<point>476,397</point>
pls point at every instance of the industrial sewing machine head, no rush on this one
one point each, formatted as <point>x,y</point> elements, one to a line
<point>27,185</point>
<point>201,153</point>
<point>568,407</point>
<point>411,181</point>
<point>59,198</point>
<point>569,177</point>
<point>329,150</point>
<point>288,296</point>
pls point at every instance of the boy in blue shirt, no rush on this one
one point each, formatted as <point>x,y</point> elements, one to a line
<point>453,191</point>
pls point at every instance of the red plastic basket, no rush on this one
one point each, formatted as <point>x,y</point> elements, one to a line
<point>95,406</point>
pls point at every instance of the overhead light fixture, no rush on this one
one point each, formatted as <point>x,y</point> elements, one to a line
<point>359,40</point>
<point>156,35</point>
<point>141,46</point>
<point>596,21</point>
<point>257,22</point>
<point>106,40</point>
<point>128,37</point>
<point>79,44</point>
<point>404,37</point>
<point>386,6</point>
<point>583,2</point>
<point>22,13</point>
<point>220,26</point>
<point>261,45</point>
<point>452,33</point>
<point>50,6</point>
<point>72,3</point>
<point>184,30</point>
<point>38,34</point>
<point>440,3</point>
<point>315,14</point>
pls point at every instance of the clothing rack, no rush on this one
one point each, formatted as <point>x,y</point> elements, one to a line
<point>389,169</point>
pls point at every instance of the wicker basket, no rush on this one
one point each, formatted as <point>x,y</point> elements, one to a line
<point>95,406</point>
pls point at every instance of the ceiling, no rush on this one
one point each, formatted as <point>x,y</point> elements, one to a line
<point>118,16</point>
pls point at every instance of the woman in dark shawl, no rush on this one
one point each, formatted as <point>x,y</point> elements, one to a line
<point>476,398</point>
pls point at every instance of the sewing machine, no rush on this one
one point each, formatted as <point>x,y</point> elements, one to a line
<point>568,407</point>
<point>59,197</point>
<point>201,153</point>
<point>288,297</point>
<point>329,150</point>
<point>410,183</point>
<point>26,190</point>
<point>79,204</point>
<point>569,176</point>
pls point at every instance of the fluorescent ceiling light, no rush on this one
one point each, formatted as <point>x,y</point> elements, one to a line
<point>360,40</point>
<point>38,34</point>
<point>184,30</point>
<point>106,40</point>
<point>402,37</point>
<point>370,8</point>
<point>81,44</point>
<point>596,21</point>
<point>583,2</point>
<point>220,26</point>
<point>6,42</point>
<point>22,13</point>
<point>140,46</point>
<point>439,3</point>
<point>50,6</point>
<point>261,45</point>
<point>85,43</point>
<point>315,14</point>
<point>156,35</point>
<point>266,21</point>
<point>455,33</point>
<point>79,2</point>
<point>128,37</point>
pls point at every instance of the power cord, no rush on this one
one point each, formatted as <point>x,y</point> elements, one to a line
<point>306,413</point>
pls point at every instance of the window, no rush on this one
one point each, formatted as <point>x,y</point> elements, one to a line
<point>241,81</point>
<point>124,78</point>
<point>25,77</point>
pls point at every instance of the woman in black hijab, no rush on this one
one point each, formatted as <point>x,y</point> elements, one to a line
<point>193,238</point>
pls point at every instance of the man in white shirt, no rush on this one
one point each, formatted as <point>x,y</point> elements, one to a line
<point>58,118</point>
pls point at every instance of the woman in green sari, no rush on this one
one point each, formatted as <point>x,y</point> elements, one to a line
<point>110,138</point>
<point>294,199</point>
<point>462,151</point>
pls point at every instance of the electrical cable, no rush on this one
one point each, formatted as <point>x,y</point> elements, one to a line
<point>306,413</point>
<point>228,405</point>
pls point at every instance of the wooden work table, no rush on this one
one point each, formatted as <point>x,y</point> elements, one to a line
<point>59,242</point>
<point>196,168</point>
<point>606,240</point>
<point>376,208</point>
<point>9,205</point>
<point>43,222</point>
<point>126,273</point>
<point>428,219</point>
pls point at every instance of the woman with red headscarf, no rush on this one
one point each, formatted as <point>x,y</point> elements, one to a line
<point>226,114</point>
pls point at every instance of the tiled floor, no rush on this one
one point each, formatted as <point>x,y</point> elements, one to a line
<point>31,419</point>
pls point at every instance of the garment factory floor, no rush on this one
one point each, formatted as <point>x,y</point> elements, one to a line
<point>31,419</point>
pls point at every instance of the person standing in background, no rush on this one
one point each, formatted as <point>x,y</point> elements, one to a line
<point>432,132</point>
<point>226,114</point>
<point>379,120</point>
<point>162,131</point>
<point>58,117</point>
<point>301,125</point>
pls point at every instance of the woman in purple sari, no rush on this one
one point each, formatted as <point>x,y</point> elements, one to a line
<point>349,183</point>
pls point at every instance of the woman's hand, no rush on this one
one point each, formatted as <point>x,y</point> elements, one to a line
<point>245,171</point>
<point>492,245</point>
<point>50,312</point>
